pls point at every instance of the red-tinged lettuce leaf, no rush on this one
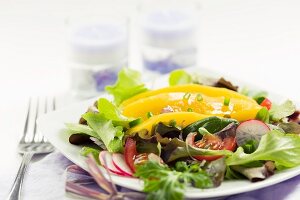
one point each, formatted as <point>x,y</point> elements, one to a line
<point>290,127</point>
<point>216,170</point>
<point>255,174</point>
<point>222,83</point>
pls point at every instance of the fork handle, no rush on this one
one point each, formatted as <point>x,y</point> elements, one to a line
<point>15,191</point>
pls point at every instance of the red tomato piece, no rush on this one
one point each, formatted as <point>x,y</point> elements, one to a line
<point>130,153</point>
<point>210,141</point>
<point>266,103</point>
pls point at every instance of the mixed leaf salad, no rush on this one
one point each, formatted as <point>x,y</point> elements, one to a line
<point>194,133</point>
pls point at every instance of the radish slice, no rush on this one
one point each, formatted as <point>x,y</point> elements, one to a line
<point>119,162</point>
<point>250,130</point>
<point>107,156</point>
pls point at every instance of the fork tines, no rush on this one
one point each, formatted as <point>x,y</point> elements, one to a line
<point>36,107</point>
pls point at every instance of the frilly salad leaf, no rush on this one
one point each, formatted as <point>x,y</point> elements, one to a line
<point>179,77</point>
<point>279,112</point>
<point>161,182</point>
<point>128,84</point>
<point>111,136</point>
<point>283,149</point>
<point>111,112</point>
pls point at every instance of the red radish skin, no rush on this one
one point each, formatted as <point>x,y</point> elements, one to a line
<point>107,156</point>
<point>119,162</point>
<point>251,130</point>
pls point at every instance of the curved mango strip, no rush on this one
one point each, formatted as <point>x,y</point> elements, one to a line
<point>239,109</point>
<point>182,119</point>
<point>191,88</point>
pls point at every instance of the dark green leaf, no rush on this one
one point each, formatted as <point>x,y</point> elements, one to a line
<point>167,131</point>
<point>211,124</point>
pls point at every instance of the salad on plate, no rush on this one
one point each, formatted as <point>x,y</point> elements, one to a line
<point>197,132</point>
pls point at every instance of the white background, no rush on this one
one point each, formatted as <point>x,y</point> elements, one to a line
<point>257,41</point>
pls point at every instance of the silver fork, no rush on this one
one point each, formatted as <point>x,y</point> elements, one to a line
<point>32,142</point>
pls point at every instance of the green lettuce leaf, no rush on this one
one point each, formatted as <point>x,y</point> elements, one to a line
<point>283,149</point>
<point>79,128</point>
<point>111,136</point>
<point>179,77</point>
<point>111,112</point>
<point>279,112</point>
<point>128,85</point>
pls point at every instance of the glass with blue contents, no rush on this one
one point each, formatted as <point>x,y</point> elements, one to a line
<point>98,49</point>
<point>168,36</point>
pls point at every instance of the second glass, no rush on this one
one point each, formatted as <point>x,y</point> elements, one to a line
<point>168,36</point>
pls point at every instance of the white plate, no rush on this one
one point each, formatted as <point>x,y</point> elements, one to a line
<point>52,126</point>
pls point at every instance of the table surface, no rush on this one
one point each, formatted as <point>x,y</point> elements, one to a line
<point>256,41</point>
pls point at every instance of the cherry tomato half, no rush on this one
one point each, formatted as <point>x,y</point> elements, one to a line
<point>266,103</point>
<point>210,141</point>
<point>130,153</point>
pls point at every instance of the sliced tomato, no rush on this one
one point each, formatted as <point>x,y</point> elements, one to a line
<point>130,153</point>
<point>210,141</point>
<point>266,103</point>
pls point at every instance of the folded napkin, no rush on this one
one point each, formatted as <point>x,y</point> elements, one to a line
<point>45,180</point>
